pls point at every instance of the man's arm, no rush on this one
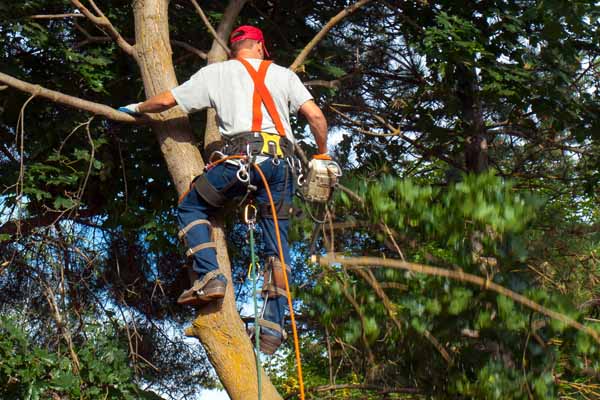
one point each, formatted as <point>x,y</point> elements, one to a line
<point>155,104</point>
<point>317,122</point>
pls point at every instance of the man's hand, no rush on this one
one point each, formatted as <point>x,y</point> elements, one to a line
<point>131,109</point>
<point>324,161</point>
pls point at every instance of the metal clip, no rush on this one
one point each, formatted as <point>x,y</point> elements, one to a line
<point>242,173</point>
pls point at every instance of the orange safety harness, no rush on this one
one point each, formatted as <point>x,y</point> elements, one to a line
<point>262,96</point>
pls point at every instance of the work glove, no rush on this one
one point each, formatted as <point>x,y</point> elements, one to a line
<point>325,162</point>
<point>131,109</point>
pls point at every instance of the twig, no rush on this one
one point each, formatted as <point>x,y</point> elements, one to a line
<point>105,25</point>
<point>391,236</point>
<point>319,36</point>
<point>20,131</point>
<point>395,131</point>
<point>361,316</point>
<point>210,28</point>
<point>81,189</point>
<point>391,310</point>
<point>486,284</point>
<point>62,326</point>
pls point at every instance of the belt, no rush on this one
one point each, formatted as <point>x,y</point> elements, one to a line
<point>259,143</point>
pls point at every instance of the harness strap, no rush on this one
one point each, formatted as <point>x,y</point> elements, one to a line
<point>271,290</point>
<point>262,94</point>
<point>192,224</point>
<point>272,325</point>
<point>208,192</point>
<point>198,285</point>
<point>199,247</point>
<point>284,210</point>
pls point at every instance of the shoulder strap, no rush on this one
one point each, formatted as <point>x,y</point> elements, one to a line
<point>262,95</point>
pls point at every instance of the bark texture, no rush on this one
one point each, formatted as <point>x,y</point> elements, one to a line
<point>218,326</point>
<point>154,56</point>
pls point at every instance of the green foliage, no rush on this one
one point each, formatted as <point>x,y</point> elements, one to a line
<point>30,372</point>
<point>481,203</point>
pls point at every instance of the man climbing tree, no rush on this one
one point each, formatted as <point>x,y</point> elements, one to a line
<point>253,99</point>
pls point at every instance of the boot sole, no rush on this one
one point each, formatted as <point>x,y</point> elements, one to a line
<point>194,300</point>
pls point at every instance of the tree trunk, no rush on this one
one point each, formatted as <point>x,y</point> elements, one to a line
<point>476,147</point>
<point>218,326</point>
<point>154,56</point>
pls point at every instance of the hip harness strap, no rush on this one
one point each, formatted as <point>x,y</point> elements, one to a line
<point>262,96</point>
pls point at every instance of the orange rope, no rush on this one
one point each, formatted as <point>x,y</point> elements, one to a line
<point>287,286</point>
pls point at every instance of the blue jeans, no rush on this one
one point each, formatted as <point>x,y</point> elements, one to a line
<point>223,178</point>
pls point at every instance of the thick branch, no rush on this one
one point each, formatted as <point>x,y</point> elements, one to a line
<point>105,25</point>
<point>332,22</point>
<point>70,101</point>
<point>210,27</point>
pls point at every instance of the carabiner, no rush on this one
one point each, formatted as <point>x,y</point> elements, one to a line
<point>250,213</point>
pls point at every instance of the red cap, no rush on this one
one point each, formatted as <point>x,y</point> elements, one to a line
<point>248,32</point>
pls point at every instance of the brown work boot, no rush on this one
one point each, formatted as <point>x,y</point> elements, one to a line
<point>271,336</point>
<point>207,289</point>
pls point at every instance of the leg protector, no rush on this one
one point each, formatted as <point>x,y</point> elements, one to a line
<point>271,336</point>
<point>274,281</point>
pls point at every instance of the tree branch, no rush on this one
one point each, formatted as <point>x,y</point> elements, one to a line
<point>210,28</point>
<point>71,101</point>
<point>319,36</point>
<point>89,38</point>
<point>486,284</point>
<point>105,25</point>
<point>190,48</point>
<point>28,225</point>
<point>392,312</point>
<point>56,16</point>
<point>379,389</point>
<point>8,154</point>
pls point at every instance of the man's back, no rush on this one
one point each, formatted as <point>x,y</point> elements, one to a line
<point>228,87</point>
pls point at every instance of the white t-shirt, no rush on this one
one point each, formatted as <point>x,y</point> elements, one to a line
<point>228,88</point>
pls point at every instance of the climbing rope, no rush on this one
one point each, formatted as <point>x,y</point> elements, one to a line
<point>287,285</point>
<point>250,220</point>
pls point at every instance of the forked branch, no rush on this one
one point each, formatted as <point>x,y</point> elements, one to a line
<point>210,28</point>
<point>104,24</point>
<point>319,36</point>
